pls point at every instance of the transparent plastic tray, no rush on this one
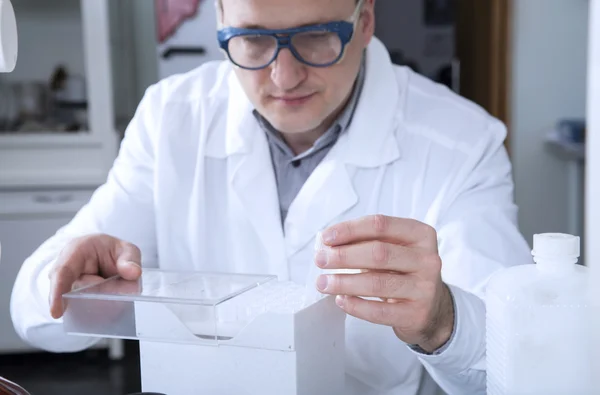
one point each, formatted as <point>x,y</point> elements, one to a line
<point>184,307</point>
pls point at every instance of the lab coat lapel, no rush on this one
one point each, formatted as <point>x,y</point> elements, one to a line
<point>370,142</point>
<point>252,179</point>
<point>326,195</point>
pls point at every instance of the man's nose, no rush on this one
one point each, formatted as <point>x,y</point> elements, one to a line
<point>286,71</point>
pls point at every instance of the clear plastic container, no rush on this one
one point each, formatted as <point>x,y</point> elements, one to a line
<point>538,323</point>
<point>199,307</point>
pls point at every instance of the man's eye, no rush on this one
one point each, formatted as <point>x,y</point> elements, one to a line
<point>318,35</point>
<point>312,37</point>
<point>256,40</point>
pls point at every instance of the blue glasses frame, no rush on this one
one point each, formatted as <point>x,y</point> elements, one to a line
<point>344,30</point>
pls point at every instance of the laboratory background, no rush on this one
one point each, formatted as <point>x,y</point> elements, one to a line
<point>84,66</point>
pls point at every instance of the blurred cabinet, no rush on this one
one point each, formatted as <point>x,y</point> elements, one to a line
<point>26,220</point>
<point>57,123</point>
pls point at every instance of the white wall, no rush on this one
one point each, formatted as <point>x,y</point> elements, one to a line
<point>593,164</point>
<point>548,83</point>
<point>593,140</point>
<point>144,45</point>
<point>135,64</point>
<point>123,61</point>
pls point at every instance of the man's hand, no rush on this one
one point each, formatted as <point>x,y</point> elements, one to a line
<point>401,266</point>
<point>89,260</point>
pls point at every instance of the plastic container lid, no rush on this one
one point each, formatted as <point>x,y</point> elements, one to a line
<point>556,245</point>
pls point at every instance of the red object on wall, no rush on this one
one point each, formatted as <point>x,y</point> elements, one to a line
<point>170,15</point>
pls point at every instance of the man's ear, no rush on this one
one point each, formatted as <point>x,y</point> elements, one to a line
<point>368,20</point>
<point>370,3</point>
<point>219,8</point>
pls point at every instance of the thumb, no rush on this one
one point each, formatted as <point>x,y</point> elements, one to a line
<point>128,261</point>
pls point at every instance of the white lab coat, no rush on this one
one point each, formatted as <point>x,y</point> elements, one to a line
<point>193,187</point>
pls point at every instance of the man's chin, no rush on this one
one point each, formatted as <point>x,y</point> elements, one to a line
<point>294,123</point>
<point>295,128</point>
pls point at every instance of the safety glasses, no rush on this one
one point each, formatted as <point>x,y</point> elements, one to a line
<point>319,45</point>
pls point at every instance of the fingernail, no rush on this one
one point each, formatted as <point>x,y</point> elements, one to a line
<point>329,236</point>
<point>339,300</point>
<point>322,283</point>
<point>132,264</point>
<point>318,241</point>
<point>321,258</point>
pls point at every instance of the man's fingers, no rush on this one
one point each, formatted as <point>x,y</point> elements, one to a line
<point>373,255</point>
<point>377,312</point>
<point>83,281</point>
<point>74,260</point>
<point>62,279</point>
<point>380,227</point>
<point>370,284</point>
<point>129,270</point>
<point>127,262</point>
<point>90,258</point>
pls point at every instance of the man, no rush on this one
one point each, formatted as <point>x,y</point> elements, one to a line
<point>236,166</point>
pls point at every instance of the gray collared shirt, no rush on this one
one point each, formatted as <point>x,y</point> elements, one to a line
<point>292,171</point>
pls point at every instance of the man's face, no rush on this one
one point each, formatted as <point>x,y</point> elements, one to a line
<point>292,96</point>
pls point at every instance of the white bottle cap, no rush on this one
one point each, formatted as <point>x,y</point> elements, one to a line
<point>8,37</point>
<point>556,245</point>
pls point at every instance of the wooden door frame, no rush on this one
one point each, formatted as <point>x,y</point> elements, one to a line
<point>483,47</point>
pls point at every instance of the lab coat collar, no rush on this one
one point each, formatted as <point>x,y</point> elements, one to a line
<point>370,140</point>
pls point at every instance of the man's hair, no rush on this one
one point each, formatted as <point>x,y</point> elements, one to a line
<point>219,7</point>
<point>220,4</point>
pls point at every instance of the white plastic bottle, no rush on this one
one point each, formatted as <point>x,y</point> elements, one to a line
<point>539,324</point>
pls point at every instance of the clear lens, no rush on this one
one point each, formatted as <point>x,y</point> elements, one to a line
<point>313,47</point>
<point>252,51</point>
<point>318,47</point>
